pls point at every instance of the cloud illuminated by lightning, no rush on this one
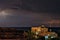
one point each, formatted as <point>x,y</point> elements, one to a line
<point>4,13</point>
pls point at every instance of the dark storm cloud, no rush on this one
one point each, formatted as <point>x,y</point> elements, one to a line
<point>22,13</point>
<point>34,5</point>
<point>22,18</point>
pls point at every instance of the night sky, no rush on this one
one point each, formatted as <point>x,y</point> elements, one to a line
<point>27,13</point>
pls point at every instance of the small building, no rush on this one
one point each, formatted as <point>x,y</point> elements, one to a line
<point>43,31</point>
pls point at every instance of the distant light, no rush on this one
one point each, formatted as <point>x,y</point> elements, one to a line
<point>46,36</point>
<point>52,37</point>
<point>36,33</point>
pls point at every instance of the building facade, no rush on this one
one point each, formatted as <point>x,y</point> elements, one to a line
<point>43,31</point>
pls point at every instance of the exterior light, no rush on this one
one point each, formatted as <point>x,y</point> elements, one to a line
<point>36,33</point>
<point>36,36</point>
